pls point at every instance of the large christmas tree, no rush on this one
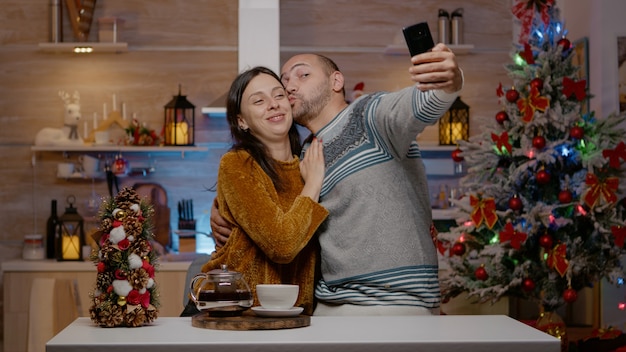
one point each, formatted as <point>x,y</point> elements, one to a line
<point>543,212</point>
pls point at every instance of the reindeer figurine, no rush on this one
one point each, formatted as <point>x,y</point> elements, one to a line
<point>69,133</point>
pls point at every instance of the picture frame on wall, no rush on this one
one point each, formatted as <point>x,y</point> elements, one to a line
<point>621,69</point>
<point>580,58</point>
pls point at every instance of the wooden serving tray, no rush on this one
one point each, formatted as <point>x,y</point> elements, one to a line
<point>249,321</point>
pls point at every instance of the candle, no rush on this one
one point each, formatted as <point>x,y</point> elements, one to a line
<point>95,120</point>
<point>124,111</point>
<point>70,247</point>
<point>178,134</point>
<point>85,130</point>
<point>104,111</point>
<point>114,104</point>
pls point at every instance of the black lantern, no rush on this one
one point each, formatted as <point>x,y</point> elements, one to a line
<point>71,234</point>
<point>454,124</point>
<point>179,127</point>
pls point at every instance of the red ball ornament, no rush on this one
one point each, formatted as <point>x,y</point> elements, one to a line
<point>515,203</point>
<point>481,273</point>
<point>564,43</point>
<point>565,196</point>
<point>456,155</point>
<point>528,284</point>
<point>502,116</point>
<point>539,142</point>
<point>512,95</point>
<point>458,249</point>
<point>543,177</point>
<point>577,132</point>
<point>570,295</point>
<point>545,241</point>
<point>537,83</point>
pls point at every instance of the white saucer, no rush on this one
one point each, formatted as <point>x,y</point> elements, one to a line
<point>270,312</point>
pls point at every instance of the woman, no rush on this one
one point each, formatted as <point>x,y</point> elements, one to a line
<point>267,194</point>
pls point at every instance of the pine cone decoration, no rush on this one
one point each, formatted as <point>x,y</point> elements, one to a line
<point>138,279</point>
<point>135,317</point>
<point>104,280</point>
<point>127,196</point>
<point>133,226</point>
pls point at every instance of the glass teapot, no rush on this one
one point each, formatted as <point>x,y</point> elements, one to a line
<point>220,292</point>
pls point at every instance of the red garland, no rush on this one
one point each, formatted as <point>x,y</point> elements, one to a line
<point>510,234</point>
<point>557,260</point>
<point>525,11</point>
<point>533,102</point>
<point>574,87</point>
<point>615,154</point>
<point>502,141</point>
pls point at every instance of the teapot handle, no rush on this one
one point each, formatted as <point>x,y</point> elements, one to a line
<point>192,284</point>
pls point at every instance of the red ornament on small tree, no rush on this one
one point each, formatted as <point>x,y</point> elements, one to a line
<point>458,249</point>
<point>537,83</point>
<point>570,295</point>
<point>546,241</point>
<point>528,284</point>
<point>515,203</point>
<point>539,142</point>
<point>456,155</point>
<point>564,43</point>
<point>543,177</point>
<point>565,196</point>
<point>481,273</point>
<point>502,116</point>
<point>577,132</point>
<point>512,95</point>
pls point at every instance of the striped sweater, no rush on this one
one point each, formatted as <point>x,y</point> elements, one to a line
<point>376,244</point>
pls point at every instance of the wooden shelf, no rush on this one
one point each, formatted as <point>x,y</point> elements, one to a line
<point>461,49</point>
<point>71,47</point>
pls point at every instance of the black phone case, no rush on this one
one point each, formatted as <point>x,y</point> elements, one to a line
<point>418,38</point>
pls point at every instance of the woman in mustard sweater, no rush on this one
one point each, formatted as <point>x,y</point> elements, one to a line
<point>268,195</point>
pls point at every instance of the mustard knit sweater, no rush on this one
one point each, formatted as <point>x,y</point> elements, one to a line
<point>272,235</point>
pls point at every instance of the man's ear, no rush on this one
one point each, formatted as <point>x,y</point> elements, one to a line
<point>337,81</point>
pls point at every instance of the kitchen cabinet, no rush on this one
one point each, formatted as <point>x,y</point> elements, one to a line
<point>18,276</point>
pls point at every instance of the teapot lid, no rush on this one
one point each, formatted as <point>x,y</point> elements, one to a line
<point>223,272</point>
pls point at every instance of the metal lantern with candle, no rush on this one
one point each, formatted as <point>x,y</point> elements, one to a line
<point>71,234</point>
<point>179,127</point>
<point>454,124</point>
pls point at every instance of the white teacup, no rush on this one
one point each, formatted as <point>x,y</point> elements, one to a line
<point>65,169</point>
<point>277,296</point>
<point>90,165</point>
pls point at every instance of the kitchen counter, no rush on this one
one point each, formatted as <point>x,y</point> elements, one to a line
<point>364,334</point>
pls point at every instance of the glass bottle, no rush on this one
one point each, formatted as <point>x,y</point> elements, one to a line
<point>51,230</point>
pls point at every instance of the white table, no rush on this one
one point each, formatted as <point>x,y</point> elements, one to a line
<point>467,333</point>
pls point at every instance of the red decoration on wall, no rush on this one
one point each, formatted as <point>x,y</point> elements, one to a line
<point>499,90</point>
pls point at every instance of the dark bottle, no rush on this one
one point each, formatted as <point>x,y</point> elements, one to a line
<point>51,230</point>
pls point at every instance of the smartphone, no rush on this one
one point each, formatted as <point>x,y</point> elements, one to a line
<point>418,38</point>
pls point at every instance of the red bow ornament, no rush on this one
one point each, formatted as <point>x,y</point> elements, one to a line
<point>534,102</point>
<point>557,260</point>
<point>619,233</point>
<point>510,234</point>
<point>574,87</point>
<point>525,11</point>
<point>502,141</point>
<point>484,210</point>
<point>615,154</point>
<point>599,189</point>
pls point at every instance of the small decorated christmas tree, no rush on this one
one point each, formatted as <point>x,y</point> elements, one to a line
<point>125,293</point>
<point>543,212</point>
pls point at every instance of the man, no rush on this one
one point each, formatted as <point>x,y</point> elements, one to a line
<point>377,256</point>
